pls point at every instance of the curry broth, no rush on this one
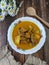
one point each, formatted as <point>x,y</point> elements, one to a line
<point>25,45</point>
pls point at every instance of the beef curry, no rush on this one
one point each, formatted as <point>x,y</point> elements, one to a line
<point>26,35</point>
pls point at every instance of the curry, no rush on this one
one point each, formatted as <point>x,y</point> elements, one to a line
<point>26,35</point>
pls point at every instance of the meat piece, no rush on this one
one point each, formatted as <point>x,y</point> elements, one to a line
<point>32,38</point>
<point>33,30</point>
<point>23,29</point>
<point>22,38</point>
<point>27,35</point>
<point>23,41</point>
<point>21,34</point>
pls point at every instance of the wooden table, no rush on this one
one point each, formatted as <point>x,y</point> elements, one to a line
<point>42,8</point>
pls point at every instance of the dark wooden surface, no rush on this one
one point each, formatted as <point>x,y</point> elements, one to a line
<point>42,9</point>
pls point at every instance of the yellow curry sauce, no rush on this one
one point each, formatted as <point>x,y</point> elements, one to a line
<point>27,35</point>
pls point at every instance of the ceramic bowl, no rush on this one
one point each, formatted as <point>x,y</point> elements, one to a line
<point>38,46</point>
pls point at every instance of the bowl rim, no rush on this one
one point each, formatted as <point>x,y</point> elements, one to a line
<point>37,47</point>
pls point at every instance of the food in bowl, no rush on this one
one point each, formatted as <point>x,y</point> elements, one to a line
<point>26,35</point>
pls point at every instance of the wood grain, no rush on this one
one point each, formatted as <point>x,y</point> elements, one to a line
<point>18,56</point>
<point>27,3</point>
<point>36,5</point>
<point>42,9</point>
<point>45,17</point>
<point>2,33</point>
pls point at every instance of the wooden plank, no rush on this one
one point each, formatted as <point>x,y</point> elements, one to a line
<point>43,8</point>
<point>27,3</point>
<point>18,56</point>
<point>2,33</point>
<point>36,5</point>
<point>45,16</point>
<point>47,9</point>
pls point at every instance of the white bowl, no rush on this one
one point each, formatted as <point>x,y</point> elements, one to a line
<point>38,46</point>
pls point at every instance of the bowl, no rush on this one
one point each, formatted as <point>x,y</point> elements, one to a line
<point>38,46</point>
